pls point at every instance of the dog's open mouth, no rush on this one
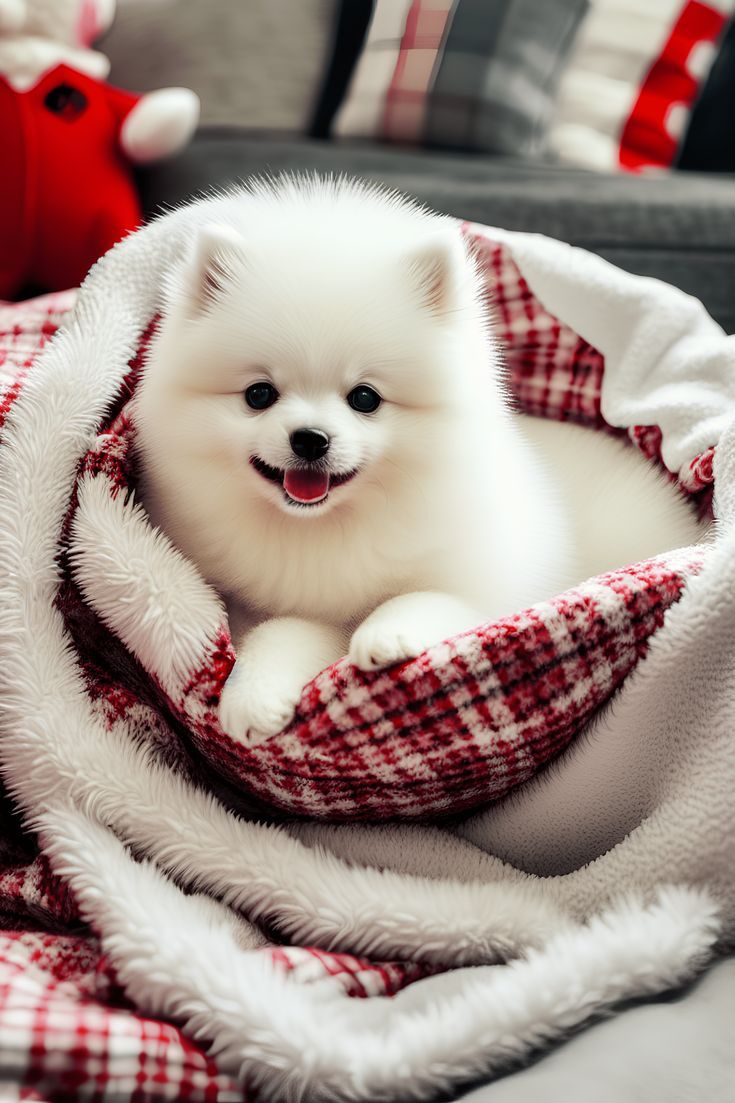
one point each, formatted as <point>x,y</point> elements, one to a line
<point>303,486</point>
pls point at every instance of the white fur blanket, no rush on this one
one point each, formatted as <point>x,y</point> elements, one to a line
<point>643,801</point>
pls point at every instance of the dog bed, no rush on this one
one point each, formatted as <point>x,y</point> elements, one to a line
<point>113,652</point>
<point>459,726</point>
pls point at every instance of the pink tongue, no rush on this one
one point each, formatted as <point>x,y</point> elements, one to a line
<point>305,485</point>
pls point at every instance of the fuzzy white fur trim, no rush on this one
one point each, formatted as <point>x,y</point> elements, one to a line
<point>140,585</point>
<point>311,1042</point>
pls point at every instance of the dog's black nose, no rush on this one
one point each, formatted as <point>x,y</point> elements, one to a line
<point>309,444</point>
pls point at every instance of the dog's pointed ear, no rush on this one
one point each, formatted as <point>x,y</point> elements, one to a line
<point>437,269</point>
<point>216,251</point>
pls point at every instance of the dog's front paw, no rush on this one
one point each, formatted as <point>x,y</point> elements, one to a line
<point>250,714</point>
<point>374,646</point>
<point>404,626</point>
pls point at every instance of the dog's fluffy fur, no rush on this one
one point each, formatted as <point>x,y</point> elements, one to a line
<point>458,511</point>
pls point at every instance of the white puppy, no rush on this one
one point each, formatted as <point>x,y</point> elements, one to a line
<point>324,432</point>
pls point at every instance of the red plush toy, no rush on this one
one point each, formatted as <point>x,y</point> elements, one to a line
<point>68,140</point>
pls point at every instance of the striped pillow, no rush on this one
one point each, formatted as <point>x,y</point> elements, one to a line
<point>603,84</point>
<point>635,73</point>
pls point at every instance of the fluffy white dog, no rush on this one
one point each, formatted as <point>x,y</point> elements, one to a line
<point>324,431</point>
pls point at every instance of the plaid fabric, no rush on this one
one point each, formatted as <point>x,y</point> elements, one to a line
<point>24,330</point>
<point>68,1033</point>
<point>552,372</point>
<point>459,73</point>
<point>462,724</point>
<point>406,97</point>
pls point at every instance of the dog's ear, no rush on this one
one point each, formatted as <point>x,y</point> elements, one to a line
<point>216,251</point>
<point>437,269</point>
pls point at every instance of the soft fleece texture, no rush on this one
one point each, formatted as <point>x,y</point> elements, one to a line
<point>90,787</point>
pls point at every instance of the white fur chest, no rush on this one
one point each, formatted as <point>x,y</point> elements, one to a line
<point>334,572</point>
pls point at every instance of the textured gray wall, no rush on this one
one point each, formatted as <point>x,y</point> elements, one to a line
<point>254,63</point>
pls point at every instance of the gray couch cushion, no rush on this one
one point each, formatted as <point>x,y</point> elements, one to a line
<point>253,64</point>
<point>678,227</point>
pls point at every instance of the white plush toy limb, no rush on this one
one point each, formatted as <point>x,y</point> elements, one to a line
<point>160,124</point>
<point>12,15</point>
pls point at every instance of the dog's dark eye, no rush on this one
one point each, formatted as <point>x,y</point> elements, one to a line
<point>364,399</point>
<point>259,396</point>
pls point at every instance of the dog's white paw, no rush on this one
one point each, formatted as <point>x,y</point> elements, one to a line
<point>250,714</point>
<point>374,646</point>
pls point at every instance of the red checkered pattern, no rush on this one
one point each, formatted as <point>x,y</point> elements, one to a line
<point>466,721</point>
<point>551,370</point>
<point>24,330</point>
<point>406,98</point>
<point>699,472</point>
<point>68,1033</point>
<point>462,724</point>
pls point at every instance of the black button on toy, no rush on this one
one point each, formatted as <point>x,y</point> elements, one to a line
<point>66,101</point>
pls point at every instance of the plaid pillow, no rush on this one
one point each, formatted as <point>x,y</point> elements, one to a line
<point>467,74</point>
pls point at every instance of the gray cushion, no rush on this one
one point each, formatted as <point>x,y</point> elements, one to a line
<point>258,63</point>
<point>678,227</point>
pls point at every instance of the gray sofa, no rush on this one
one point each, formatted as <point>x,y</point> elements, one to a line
<point>256,66</point>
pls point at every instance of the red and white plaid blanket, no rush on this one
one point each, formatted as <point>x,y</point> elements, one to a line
<point>456,728</point>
